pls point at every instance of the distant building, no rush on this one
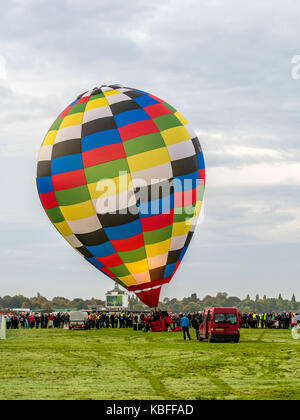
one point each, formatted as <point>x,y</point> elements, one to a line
<point>116,299</point>
<point>19,309</point>
<point>2,327</point>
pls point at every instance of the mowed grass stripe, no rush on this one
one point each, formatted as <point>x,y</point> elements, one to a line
<point>61,364</point>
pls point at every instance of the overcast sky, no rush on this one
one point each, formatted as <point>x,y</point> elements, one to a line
<point>226,66</point>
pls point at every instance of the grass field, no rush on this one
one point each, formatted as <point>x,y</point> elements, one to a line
<point>123,364</point>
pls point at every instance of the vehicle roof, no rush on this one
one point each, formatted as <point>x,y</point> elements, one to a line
<point>78,313</point>
<point>221,310</point>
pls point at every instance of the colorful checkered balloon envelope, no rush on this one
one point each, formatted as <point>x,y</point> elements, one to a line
<point>121,176</point>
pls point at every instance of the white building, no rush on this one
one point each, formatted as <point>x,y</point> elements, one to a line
<point>116,299</point>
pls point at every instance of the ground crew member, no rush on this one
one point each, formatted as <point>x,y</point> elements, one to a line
<point>185,323</point>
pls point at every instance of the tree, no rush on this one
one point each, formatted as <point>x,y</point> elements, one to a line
<point>233,301</point>
<point>26,304</point>
<point>140,307</point>
<point>194,297</point>
<point>60,302</point>
<point>208,301</point>
<point>133,301</point>
<point>187,304</point>
<point>172,301</point>
<point>192,307</point>
<point>81,305</point>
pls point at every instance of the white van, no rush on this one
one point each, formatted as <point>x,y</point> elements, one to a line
<point>79,320</point>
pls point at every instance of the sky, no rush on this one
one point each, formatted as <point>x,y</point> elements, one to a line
<point>231,70</point>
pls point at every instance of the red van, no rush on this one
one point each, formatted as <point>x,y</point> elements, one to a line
<point>220,324</point>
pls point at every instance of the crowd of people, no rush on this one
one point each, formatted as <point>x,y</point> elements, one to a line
<point>142,320</point>
<point>96,320</point>
<point>36,320</point>
<point>283,320</point>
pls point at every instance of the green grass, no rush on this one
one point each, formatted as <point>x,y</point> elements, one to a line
<point>123,364</point>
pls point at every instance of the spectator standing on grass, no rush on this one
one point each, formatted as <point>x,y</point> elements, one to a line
<point>271,317</point>
<point>37,320</point>
<point>26,324</point>
<point>8,322</point>
<point>185,324</point>
<point>129,320</point>
<point>244,321</point>
<point>15,322</point>
<point>55,320</point>
<point>250,320</point>
<point>112,320</point>
<point>31,321</point>
<point>46,320</point>
<point>58,320</point>
<point>290,319</point>
<point>50,321</point>
<point>254,320</point>
<point>107,321</point>
<point>263,320</point>
<point>122,319</point>
<point>178,318</point>
<point>98,321</point>
<point>285,321</point>
<point>22,321</point>
<point>141,319</point>
<point>167,322</point>
<point>126,319</point>
<point>102,320</point>
<point>147,321</point>
<point>42,321</point>
<point>273,320</point>
<point>196,323</point>
<point>267,321</point>
<point>66,320</point>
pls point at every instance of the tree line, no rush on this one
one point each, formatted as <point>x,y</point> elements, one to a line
<point>187,304</point>
<point>195,304</point>
<point>40,302</point>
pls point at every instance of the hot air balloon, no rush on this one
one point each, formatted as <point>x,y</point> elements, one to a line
<point>121,176</point>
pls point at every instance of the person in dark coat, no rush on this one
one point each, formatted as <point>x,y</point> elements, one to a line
<point>185,324</point>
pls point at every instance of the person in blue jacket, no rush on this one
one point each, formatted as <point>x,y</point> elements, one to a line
<point>185,323</point>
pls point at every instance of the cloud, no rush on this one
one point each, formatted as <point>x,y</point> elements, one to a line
<point>225,65</point>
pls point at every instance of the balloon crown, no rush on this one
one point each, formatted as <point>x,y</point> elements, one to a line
<point>98,89</point>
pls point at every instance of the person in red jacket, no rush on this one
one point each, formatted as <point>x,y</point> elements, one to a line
<point>50,319</point>
<point>147,321</point>
<point>31,320</point>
